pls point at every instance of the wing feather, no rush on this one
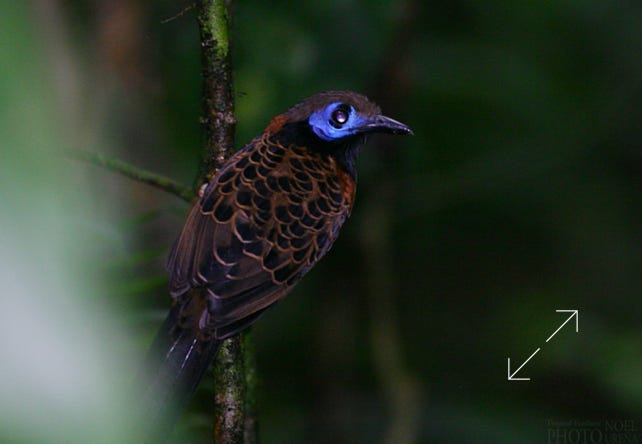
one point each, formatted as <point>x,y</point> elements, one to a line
<point>260,225</point>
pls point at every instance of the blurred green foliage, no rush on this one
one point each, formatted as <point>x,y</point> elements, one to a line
<point>518,195</point>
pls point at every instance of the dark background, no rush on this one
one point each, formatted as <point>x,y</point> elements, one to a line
<point>518,195</point>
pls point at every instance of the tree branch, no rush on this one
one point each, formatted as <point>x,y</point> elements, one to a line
<point>234,420</point>
<point>234,402</point>
<point>218,101</point>
<point>135,173</point>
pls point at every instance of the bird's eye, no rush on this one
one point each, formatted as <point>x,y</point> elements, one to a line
<point>340,116</point>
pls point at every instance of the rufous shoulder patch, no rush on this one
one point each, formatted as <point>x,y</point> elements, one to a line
<point>348,187</point>
<point>276,124</point>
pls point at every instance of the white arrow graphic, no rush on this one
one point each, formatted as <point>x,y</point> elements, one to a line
<point>577,321</point>
<point>574,313</point>
<point>511,377</point>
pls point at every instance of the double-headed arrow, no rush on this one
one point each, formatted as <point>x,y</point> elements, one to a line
<point>575,313</point>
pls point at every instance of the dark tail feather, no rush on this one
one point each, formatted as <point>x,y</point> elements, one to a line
<point>174,367</point>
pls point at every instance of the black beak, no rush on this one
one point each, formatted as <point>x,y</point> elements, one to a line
<point>383,124</point>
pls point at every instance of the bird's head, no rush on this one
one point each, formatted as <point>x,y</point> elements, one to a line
<point>338,117</point>
<point>336,122</point>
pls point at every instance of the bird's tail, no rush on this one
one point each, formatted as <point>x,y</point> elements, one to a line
<point>175,364</point>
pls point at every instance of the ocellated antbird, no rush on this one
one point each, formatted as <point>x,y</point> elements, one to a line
<point>272,211</point>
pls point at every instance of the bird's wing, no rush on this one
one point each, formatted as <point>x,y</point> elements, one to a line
<point>266,218</point>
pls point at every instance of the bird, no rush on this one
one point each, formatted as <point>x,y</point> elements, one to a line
<point>271,212</point>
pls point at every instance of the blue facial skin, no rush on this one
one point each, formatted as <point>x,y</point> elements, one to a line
<point>320,122</point>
